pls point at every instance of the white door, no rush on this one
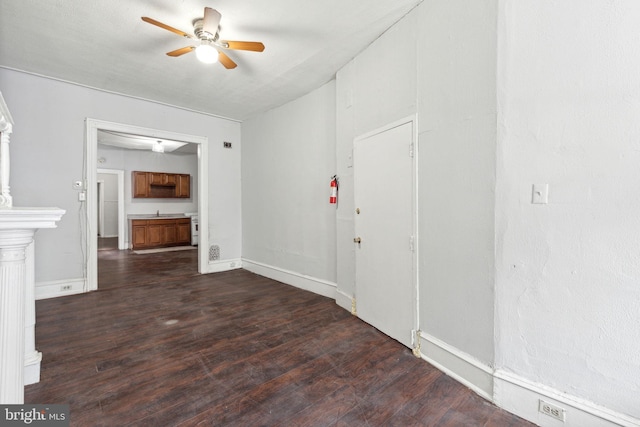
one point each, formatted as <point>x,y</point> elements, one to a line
<point>385,279</point>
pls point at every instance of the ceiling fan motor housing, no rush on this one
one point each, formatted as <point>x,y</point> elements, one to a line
<point>198,30</point>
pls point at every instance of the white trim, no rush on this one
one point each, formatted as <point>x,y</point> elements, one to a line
<point>224,265</point>
<point>91,238</point>
<point>6,121</point>
<point>521,396</point>
<point>343,300</point>
<point>32,368</point>
<point>53,288</point>
<point>459,365</point>
<point>413,121</point>
<point>308,283</point>
<point>409,119</point>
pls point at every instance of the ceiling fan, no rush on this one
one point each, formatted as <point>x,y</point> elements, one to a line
<point>206,31</point>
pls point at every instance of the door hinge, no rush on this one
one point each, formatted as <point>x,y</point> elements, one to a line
<point>411,150</point>
<point>412,244</point>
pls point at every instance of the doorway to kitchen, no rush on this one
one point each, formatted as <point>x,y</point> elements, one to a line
<point>93,126</point>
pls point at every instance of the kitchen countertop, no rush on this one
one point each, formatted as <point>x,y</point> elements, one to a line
<point>155,216</point>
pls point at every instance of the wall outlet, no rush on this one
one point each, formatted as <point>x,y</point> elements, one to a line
<point>65,287</point>
<point>551,410</point>
<point>227,144</point>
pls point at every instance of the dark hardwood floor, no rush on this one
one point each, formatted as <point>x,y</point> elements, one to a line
<point>160,345</point>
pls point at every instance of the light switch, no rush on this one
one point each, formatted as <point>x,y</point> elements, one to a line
<point>540,194</point>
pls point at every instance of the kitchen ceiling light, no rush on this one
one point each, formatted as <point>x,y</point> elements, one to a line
<point>157,147</point>
<point>207,53</point>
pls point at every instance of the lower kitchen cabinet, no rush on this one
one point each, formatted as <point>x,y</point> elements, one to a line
<point>158,233</point>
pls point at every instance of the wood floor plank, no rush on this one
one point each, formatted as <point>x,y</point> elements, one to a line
<point>160,345</point>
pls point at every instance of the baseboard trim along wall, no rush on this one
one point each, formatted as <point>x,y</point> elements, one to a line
<point>343,300</point>
<point>59,288</point>
<point>457,364</point>
<point>224,265</point>
<point>308,283</point>
<point>521,397</point>
<point>514,393</point>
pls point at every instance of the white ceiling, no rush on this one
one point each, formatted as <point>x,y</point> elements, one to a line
<point>104,44</point>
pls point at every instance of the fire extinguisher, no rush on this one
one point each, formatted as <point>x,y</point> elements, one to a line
<point>333,199</point>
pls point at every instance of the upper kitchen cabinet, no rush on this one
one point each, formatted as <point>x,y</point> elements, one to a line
<point>160,185</point>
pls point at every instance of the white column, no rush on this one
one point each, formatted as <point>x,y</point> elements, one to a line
<point>32,357</point>
<point>6,127</point>
<point>17,227</point>
<point>13,245</point>
<point>5,196</point>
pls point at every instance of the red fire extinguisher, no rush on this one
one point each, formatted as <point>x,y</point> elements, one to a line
<point>333,199</point>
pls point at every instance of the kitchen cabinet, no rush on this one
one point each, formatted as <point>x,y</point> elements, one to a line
<point>162,232</point>
<point>140,182</point>
<point>160,185</point>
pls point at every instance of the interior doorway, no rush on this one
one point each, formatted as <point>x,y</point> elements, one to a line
<point>110,205</point>
<point>384,190</point>
<point>91,241</point>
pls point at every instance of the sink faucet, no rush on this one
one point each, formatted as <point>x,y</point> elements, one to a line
<point>158,212</point>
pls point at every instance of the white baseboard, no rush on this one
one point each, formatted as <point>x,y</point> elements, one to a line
<point>521,397</point>
<point>224,265</point>
<point>457,364</point>
<point>308,283</point>
<point>32,368</point>
<point>59,288</point>
<point>343,300</point>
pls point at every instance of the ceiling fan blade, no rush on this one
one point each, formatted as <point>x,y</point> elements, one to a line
<point>237,45</point>
<point>181,51</point>
<point>211,21</point>
<point>226,61</point>
<point>166,27</point>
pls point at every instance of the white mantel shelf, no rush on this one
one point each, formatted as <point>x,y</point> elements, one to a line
<point>29,218</point>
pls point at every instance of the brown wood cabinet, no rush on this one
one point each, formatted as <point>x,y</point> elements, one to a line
<point>160,185</point>
<point>157,233</point>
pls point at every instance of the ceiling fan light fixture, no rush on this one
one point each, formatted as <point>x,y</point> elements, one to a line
<point>207,53</point>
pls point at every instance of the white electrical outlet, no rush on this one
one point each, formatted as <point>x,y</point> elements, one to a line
<point>551,410</point>
<point>65,287</point>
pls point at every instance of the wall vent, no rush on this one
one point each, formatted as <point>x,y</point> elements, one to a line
<point>214,253</point>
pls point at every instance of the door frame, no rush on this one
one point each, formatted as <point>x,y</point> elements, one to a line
<point>413,120</point>
<point>91,158</point>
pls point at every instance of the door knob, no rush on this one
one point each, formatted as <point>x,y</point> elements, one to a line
<point>357,240</point>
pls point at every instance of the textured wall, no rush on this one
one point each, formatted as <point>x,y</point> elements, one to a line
<point>568,300</point>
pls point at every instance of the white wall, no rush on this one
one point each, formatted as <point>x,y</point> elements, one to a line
<point>439,62</point>
<point>376,88</point>
<point>110,204</point>
<point>288,158</point>
<point>567,273</point>
<point>457,140</point>
<point>47,156</point>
